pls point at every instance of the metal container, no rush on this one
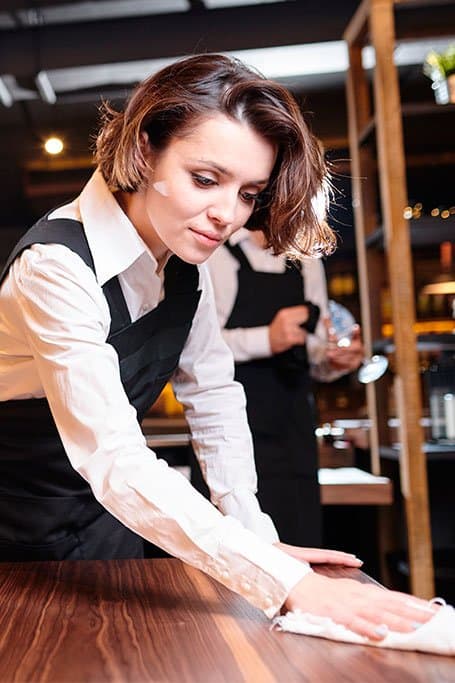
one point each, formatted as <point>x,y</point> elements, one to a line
<point>444,90</point>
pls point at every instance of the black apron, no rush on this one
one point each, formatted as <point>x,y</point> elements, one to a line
<point>280,407</point>
<point>47,510</point>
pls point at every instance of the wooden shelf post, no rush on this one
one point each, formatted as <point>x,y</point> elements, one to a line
<point>374,23</point>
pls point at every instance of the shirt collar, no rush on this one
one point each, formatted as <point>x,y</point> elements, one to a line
<point>114,241</point>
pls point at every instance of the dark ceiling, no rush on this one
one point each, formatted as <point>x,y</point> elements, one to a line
<point>116,36</point>
<point>44,36</point>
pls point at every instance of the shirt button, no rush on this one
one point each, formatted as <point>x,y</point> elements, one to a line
<point>224,574</point>
<point>246,585</point>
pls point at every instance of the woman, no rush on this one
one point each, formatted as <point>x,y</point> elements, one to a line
<point>103,300</point>
<point>266,306</point>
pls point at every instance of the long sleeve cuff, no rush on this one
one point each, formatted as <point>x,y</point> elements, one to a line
<point>243,505</point>
<point>266,585</point>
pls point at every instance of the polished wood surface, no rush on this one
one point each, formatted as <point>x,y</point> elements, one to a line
<point>160,620</point>
<point>357,494</point>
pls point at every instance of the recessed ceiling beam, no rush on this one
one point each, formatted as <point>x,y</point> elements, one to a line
<point>149,37</point>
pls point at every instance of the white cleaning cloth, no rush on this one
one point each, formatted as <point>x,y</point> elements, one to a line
<point>437,635</point>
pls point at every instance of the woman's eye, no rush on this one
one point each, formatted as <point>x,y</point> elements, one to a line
<point>202,180</point>
<point>250,197</point>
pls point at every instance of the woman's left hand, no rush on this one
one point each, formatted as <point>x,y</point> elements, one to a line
<point>319,555</point>
<point>346,358</point>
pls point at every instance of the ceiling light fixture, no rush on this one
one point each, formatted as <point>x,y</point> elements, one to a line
<point>53,145</point>
<point>444,283</point>
<point>6,97</point>
<point>45,88</point>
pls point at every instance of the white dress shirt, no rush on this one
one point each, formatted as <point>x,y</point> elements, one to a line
<point>54,321</point>
<point>248,343</point>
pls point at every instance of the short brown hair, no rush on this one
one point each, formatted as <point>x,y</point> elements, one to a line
<point>174,99</point>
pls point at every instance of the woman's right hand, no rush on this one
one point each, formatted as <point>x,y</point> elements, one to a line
<point>366,609</point>
<point>285,330</point>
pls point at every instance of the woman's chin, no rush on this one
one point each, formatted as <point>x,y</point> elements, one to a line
<point>194,256</point>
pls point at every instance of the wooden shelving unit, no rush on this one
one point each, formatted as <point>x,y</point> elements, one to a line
<point>378,169</point>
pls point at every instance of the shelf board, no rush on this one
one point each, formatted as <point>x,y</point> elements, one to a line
<point>424,231</point>
<point>436,326</point>
<point>352,486</point>
<point>162,424</point>
<point>430,159</point>
<point>433,452</point>
<point>167,440</point>
<point>408,110</point>
<point>425,342</point>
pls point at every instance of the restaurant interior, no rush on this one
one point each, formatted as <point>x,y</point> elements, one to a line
<point>386,447</point>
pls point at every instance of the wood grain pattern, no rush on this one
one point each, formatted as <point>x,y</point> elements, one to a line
<point>159,620</point>
<point>357,494</point>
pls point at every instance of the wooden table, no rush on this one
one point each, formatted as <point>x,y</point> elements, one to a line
<point>352,486</point>
<point>159,620</point>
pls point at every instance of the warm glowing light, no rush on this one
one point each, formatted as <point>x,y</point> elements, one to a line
<point>435,212</point>
<point>53,145</point>
<point>423,327</point>
<point>407,213</point>
<point>417,210</point>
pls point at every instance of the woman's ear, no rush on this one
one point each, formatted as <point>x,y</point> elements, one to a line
<point>144,144</point>
<point>147,153</point>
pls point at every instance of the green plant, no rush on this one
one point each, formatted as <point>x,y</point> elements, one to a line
<point>438,66</point>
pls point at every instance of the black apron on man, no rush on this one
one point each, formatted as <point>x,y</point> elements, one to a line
<point>280,407</point>
<point>47,510</point>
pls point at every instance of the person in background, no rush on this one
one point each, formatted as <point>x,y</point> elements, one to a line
<point>104,299</point>
<point>274,318</point>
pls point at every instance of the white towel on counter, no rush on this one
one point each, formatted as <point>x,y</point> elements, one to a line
<point>437,635</point>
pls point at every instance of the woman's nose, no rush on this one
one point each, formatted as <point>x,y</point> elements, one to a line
<point>223,211</point>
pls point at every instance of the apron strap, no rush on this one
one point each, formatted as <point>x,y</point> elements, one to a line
<point>238,253</point>
<point>50,231</point>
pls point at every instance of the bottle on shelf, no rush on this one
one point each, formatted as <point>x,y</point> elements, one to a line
<point>440,378</point>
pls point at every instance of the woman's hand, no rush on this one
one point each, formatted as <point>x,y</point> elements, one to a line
<point>285,330</point>
<point>320,556</point>
<point>366,609</point>
<point>346,358</point>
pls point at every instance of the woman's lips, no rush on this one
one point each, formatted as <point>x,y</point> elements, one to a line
<point>206,237</point>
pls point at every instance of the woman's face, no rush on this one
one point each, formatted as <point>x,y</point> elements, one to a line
<point>203,187</point>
